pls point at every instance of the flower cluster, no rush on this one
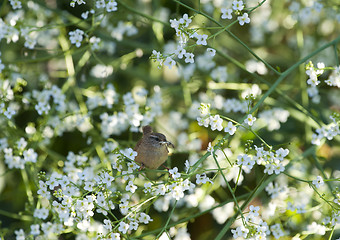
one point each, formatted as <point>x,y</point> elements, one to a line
<point>313,80</point>
<point>75,95</point>
<point>329,131</point>
<point>253,226</point>
<point>20,155</point>
<point>76,37</point>
<point>237,7</point>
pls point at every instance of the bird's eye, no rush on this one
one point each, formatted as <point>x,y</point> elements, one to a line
<point>155,137</point>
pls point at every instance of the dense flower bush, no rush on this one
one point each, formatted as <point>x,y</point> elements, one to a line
<point>248,92</point>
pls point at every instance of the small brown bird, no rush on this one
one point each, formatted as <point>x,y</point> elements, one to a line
<point>152,149</point>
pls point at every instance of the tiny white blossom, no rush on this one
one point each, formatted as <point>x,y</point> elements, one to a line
<point>174,173</point>
<point>318,182</point>
<point>144,218</point>
<point>250,120</point>
<point>129,153</point>
<point>211,51</point>
<point>201,39</point>
<point>202,178</point>
<point>16,4</point>
<point>147,187</point>
<point>185,20</point>
<point>210,148</point>
<point>231,129</point>
<point>243,159</point>
<point>115,236</point>
<point>131,187</point>
<point>85,15</point>
<point>111,6</point>
<point>243,19</point>
<point>76,37</point>
<point>35,229</point>
<point>226,13</point>
<point>107,225</point>
<point>180,52</point>
<point>123,227</point>
<point>189,58</point>
<point>239,232</point>
<point>169,62</point>
<point>216,122</point>
<point>204,121</point>
<point>238,5</point>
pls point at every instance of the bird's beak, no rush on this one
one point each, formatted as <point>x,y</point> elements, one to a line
<point>168,144</point>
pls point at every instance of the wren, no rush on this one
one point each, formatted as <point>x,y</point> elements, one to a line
<point>152,149</point>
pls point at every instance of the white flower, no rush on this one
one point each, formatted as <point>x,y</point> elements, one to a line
<point>316,228</point>
<point>210,148</point>
<point>226,13</point>
<point>202,179</point>
<point>35,229</point>
<point>144,218</point>
<point>100,4</point>
<point>201,39</point>
<point>250,120</point>
<point>107,225</point>
<point>76,37</point>
<point>254,210</point>
<point>174,173</point>
<point>203,121</point>
<point>85,15</point>
<point>169,62</point>
<point>177,191</point>
<point>160,190</point>
<point>30,155</point>
<point>243,159</point>
<point>211,51</point>
<point>238,5</point>
<point>157,55</point>
<point>189,58</point>
<point>243,19</point>
<point>180,52</point>
<point>174,23</point>
<point>185,20</point>
<point>277,230</point>
<point>239,232</point>
<point>20,234</point>
<point>216,122</point>
<point>219,74</point>
<point>147,187</point>
<point>123,227</point>
<point>231,129</point>
<point>16,4</point>
<point>129,153</point>
<point>131,187</point>
<point>111,6</point>
<point>115,236</point>
<point>281,153</point>
<point>318,182</point>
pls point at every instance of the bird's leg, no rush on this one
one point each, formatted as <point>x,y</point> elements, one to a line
<point>166,167</point>
<point>142,166</point>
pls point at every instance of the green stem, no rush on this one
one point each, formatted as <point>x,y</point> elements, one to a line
<point>230,33</point>
<point>133,9</point>
<point>229,187</point>
<point>259,187</point>
<point>192,216</point>
<point>27,186</point>
<point>167,222</point>
<point>238,178</point>
<point>16,216</point>
<point>331,234</point>
<point>289,70</point>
